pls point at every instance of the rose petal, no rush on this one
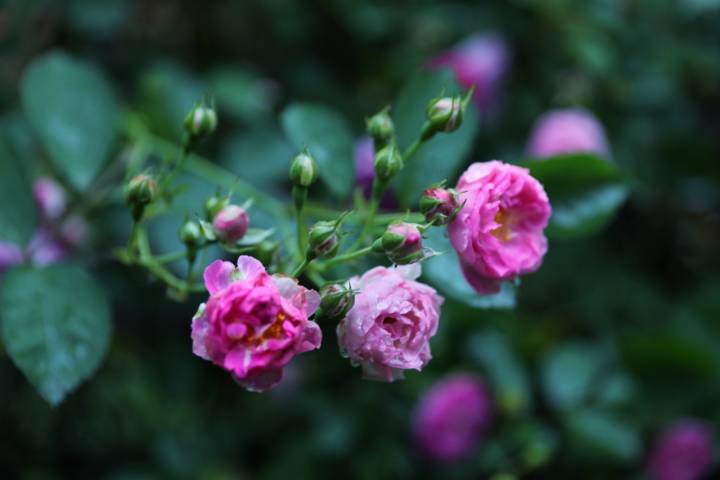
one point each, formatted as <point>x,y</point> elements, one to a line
<point>217,276</point>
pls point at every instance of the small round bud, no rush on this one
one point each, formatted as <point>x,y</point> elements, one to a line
<point>213,205</point>
<point>201,121</point>
<point>446,114</point>
<point>381,127</point>
<point>439,205</point>
<point>402,243</point>
<point>230,224</point>
<point>303,170</point>
<point>388,162</point>
<point>191,234</point>
<point>323,240</point>
<point>140,191</point>
<point>336,301</point>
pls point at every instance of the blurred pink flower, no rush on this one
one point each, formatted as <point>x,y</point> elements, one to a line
<point>560,132</point>
<point>482,61</point>
<point>683,452</point>
<point>45,249</point>
<point>10,255</point>
<point>253,324</point>
<point>231,223</point>
<point>365,171</point>
<point>498,234</point>
<point>388,330</point>
<point>50,198</point>
<point>451,417</point>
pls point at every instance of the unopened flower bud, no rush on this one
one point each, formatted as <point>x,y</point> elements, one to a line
<point>446,114</point>
<point>303,170</point>
<point>388,162</point>
<point>213,205</point>
<point>323,239</point>
<point>439,205</point>
<point>201,120</point>
<point>191,234</point>
<point>140,191</point>
<point>230,224</point>
<point>381,127</point>
<point>336,301</point>
<point>402,243</point>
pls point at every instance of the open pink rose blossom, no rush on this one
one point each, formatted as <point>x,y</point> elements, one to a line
<point>498,234</point>
<point>573,130</point>
<point>388,330</point>
<point>253,324</point>
<point>451,417</point>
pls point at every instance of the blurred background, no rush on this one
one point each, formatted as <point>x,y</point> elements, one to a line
<point>613,341</point>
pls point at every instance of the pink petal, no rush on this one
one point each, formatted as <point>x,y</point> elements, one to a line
<point>248,266</point>
<point>217,276</point>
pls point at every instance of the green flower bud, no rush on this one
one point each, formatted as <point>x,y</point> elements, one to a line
<point>388,162</point>
<point>201,121</point>
<point>213,205</point>
<point>191,234</point>
<point>335,302</point>
<point>381,127</point>
<point>303,170</point>
<point>140,191</point>
<point>439,205</point>
<point>446,114</point>
<point>402,243</point>
<point>323,240</point>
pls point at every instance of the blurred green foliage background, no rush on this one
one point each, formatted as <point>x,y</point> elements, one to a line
<point>616,336</point>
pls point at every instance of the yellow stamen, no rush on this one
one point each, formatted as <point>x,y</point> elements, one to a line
<point>504,231</point>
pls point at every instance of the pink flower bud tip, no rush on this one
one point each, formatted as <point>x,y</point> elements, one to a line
<point>568,131</point>
<point>499,232</point>
<point>231,223</point>
<point>50,198</point>
<point>683,451</point>
<point>451,417</point>
<point>253,324</point>
<point>388,329</point>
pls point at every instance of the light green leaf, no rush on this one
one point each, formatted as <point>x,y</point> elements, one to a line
<point>72,108</point>
<point>324,132</point>
<point>18,216</point>
<point>261,157</point>
<point>442,156</point>
<point>55,325</point>
<point>242,94</point>
<point>599,436</point>
<point>585,192</point>
<point>569,373</point>
<point>443,271</point>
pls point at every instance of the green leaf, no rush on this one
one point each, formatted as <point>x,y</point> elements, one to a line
<point>55,325</point>
<point>261,157</point>
<point>324,132</point>
<point>17,223</point>
<point>441,157</point>
<point>253,236</point>
<point>585,192</point>
<point>73,109</point>
<point>509,380</point>
<point>569,373</point>
<point>242,94</point>
<point>602,437</point>
<point>443,271</point>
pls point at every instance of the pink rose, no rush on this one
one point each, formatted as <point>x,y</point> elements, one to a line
<point>683,452</point>
<point>253,324</point>
<point>388,330</point>
<point>498,234</point>
<point>560,132</point>
<point>480,61</point>
<point>50,198</point>
<point>451,417</point>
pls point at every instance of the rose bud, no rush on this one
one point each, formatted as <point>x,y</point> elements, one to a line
<point>402,243</point>
<point>445,114</point>
<point>499,232</point>
<point>439,205</point>
<point>253,324</point>
<point>364,157</point>
<point>140,191</point>
<point>230,224</point>
<point>191,234</point>
<point>388,162</point>
<point>559,132</point>
<point>201,120</point>
<point>303,170</point>
<point>451,418</point>
<point>381,127</point>
<point>683,452</point>
<point>323,240</point>
<point>335,301</point>
<point>388,330</point>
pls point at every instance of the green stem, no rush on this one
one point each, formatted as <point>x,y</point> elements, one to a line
<point>411,150</point>
<point>133,240</point>
<point>300,268</point>
<point>378,188</point>
<point>347,257</point>
<point>299,196</point>
<point>170,257</point>
<point>316,278</point>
